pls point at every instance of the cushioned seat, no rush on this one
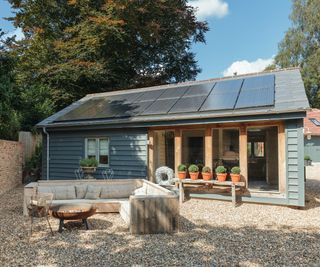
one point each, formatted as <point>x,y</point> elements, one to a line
<point>125,211</point>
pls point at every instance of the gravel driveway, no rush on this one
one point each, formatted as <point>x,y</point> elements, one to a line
<point>213,233</point>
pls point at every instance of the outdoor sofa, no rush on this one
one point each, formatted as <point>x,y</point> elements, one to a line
<point>146,207</point>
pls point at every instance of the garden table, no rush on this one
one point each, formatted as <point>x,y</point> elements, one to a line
<point>233,185</point>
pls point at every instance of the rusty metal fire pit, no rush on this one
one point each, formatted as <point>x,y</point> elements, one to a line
<point>72,212</point>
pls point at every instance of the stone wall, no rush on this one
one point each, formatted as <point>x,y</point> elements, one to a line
<point>11,157</point>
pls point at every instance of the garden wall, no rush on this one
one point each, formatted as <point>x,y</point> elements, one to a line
<point>11,158</point>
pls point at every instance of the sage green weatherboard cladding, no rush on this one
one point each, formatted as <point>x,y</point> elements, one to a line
<point>127,152</point>
<point>295,163</point>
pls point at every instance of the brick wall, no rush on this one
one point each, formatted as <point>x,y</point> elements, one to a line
<point>11,156</point>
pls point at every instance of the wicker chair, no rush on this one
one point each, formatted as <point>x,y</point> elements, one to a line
<point>107,173</point>
<point>39,208</point>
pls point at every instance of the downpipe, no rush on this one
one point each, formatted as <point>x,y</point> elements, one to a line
<point>48,150</point>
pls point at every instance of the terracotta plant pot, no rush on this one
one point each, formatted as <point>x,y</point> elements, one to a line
<point>206,176</point>
<point>221,177</point>
<point>182,175</point>
<point>235,178</point>
<point>194,175</point>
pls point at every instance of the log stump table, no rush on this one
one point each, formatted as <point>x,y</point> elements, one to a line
<point>72,212</point>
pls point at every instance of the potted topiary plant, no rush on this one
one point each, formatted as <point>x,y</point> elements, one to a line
<point>307,160</point>
<point>235,174</point>
<point>193,171</point>
<point>88,166</point>
<point>182,171</point>
<point>206,173</point>
<point>221,173</point>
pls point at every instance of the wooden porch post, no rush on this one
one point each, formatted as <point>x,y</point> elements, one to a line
<point>243,139</point>
<point>177,148</point>
<point>151,155</point>
<point>208,147</point>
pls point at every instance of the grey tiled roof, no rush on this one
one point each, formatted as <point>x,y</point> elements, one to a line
<point>289,97</point>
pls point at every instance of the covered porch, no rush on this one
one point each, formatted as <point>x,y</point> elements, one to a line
<point>258,148</point>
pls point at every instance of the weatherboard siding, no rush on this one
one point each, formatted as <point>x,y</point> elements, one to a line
<point>295,163</point>
<point>127,152</point>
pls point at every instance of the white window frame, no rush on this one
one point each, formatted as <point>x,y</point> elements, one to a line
<point>98,149</point>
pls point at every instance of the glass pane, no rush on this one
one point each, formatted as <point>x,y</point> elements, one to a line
<point>249,149</point>
<point>91,149</point>
<point>259,149</point>
<point>103,147</point>
<point>103,159</point>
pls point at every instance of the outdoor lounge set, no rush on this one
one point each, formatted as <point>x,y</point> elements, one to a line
<point>147,208</point>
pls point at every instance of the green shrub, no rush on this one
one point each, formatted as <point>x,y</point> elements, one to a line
<point>89,162</point>
<point>182,168</point>
<point>235,170</point>
<point>307,157</point>
<point>221,169</point>
<point>193,168</point>
<point>206,169</point>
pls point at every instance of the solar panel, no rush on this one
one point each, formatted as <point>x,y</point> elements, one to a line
<point>173,93</point>
<point>159,107</point>
<point>199,89</point>
<point>257,92</point>
<point>223,95</point>
<point>188,104</point>
<point>151,95</point>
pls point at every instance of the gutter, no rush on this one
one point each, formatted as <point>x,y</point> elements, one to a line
<point>48,150</point>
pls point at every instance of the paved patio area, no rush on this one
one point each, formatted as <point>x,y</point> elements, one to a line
<point>212,233</point>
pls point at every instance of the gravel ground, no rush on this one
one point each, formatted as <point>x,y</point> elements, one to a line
<point>213,233</point>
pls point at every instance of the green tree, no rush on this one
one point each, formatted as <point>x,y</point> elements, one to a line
<point>301,46</point>
<point>77,47</point>
<point>9,117</point>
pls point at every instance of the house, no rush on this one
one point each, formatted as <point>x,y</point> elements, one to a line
<point>312,134</point>
<point>253,121</point>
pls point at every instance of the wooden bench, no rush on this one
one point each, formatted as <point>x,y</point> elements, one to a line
<point>226,184</point>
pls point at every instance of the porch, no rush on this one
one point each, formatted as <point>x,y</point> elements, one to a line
<point>258,148</point>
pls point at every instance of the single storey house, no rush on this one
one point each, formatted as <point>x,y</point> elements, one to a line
<point>253,121</point>
<point>312,135</point>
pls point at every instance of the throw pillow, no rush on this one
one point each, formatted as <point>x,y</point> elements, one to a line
<point>81,190</point>
<point>93,192</point>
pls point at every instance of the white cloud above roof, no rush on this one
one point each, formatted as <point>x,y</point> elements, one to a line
<point>210,8</point>
<point>245,66</point>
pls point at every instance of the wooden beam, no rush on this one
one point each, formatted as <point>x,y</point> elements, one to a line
<point>177,148</point>
<point>243,155</point>
<point>208,148</point>
<point>282,158</point>
<point>151,155</point>
<point>221,125</point>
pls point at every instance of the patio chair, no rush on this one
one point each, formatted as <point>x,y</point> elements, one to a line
<point>107,173</point>
<point>39,208</point>
<point>79,174</point>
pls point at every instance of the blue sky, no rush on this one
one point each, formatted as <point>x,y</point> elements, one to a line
<point>243,36</point>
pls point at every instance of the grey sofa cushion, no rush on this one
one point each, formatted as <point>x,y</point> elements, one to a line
<point>81,190</point>
<point>64,192</point>
<point>46,190</point>
<point>116,191</point>
<point>93,192</point>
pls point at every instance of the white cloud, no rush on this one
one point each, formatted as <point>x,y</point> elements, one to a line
<point>17,32</point>
<point>244,66</point>
<point>208,8</point>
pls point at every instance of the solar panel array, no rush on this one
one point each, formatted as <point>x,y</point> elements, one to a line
<point>232,94</point>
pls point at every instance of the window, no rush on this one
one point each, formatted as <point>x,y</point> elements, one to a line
<point>315,121</point>
<point>98,148</point>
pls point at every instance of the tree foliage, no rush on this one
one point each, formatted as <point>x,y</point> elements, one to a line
<point>9,117</point>
<point>301,46</point>
<point>75,47</point>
